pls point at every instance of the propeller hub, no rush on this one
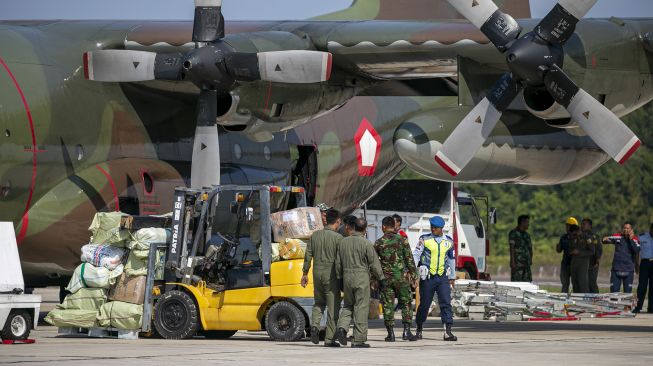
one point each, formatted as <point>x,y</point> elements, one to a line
<point>205,67</point>
<point>530,57</point>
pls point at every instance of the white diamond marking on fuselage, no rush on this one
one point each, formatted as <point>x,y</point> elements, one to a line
<point>368,149</point>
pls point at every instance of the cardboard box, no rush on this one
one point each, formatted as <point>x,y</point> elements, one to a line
<point>299,223</point>
<point>129,289</point>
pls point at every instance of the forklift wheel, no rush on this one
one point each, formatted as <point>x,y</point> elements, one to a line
<point>176,315</point>
<point>285,322</point>
<point>18,325</point>
<point>218,334</point>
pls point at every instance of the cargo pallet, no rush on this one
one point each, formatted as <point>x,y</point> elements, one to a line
<point>99,333</point>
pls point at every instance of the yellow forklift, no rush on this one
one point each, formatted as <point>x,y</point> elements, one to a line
<point>216,276</point>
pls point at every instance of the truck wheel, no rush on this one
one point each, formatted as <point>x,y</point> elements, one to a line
<point>18,325</point>
<point>285,322</point>
<point>176,315</point>
<point>218,334</point>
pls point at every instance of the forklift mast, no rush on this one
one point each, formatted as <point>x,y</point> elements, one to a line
<point>193,217</point>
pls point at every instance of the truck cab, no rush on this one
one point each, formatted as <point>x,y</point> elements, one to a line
<point>416,201</point>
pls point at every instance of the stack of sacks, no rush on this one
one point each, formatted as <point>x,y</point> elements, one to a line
<point>125,309</point>
<point>79,310</point>
<point>104,271</point>
<point>139,247</point>
<point>111,228</point>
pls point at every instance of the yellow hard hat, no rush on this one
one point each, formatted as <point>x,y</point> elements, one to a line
<point>572,221</point>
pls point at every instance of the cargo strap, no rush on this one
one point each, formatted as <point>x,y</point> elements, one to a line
<point>82,274</point>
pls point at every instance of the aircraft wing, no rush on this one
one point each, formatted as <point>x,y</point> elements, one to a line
<point>385,50</point>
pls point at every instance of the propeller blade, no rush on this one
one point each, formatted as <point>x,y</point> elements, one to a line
<point>603,126</point>
<point>295,67</point>
<point>205,167</point>
<point>119,65</point>
<point>560,23</point>
<point>208,24</point>
<point>500,28</point>
<point>469,136</point>
<point>129,66</point>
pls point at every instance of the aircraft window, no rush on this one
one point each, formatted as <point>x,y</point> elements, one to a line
<point>148,183</point>
<point>469,216</point>
<point>6,188</point>
<point>7,133</point>
<point>238,151</point>
<point>80,152</point>
<point>267,153</point>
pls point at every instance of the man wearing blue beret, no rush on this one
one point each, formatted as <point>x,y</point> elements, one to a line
<point>436,260</point>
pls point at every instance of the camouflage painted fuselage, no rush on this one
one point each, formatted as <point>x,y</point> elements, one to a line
<point>71,147</point>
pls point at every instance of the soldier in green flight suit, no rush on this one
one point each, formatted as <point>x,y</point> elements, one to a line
<point>323,249</point>
<point>356,259</point>
<point>521,251</point>
<point>399,271</point>
<point>581,249</point>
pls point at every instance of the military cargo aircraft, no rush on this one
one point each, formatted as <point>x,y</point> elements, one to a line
<point>112,115</point>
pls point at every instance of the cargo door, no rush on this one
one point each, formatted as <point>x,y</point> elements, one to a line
<point>472,242</point>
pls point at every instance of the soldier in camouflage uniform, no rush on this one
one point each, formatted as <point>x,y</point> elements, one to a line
<point>521,251</point>
<point>581,249</point>
<point>595,259</point>
<point>399,272</point>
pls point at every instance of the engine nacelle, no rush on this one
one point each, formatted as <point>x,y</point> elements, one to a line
<point>525,150</point>
<point>541,104</point>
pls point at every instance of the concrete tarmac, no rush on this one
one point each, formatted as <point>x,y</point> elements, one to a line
<point>584,342</point>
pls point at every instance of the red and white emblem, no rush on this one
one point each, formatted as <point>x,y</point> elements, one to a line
<point>368,148</point>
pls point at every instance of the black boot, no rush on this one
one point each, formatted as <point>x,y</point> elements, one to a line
<point>315,335</point>
<point>360,345</point>
<point>448,336</point>
<point>408,335</point>
<point>418,331</point>
<point>391,333</point>
<point>340,336</point>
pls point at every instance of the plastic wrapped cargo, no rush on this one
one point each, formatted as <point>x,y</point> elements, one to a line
<point>135,266</point>
<point>72,318</point>
<point>89,276</point>
<point>142,239</point>
<point>110,228</point>
<point>275,252</point>
<point>292,249</point>
<point>299,223</point>
<point>120,315</point>
<point>85,299</point>
<point>103,255</point>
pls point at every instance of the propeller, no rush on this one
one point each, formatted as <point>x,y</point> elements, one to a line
<point>215,68</point>
<point>535,61</point>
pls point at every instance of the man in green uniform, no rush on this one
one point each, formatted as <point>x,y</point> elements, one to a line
<point>323,249</point>
<point>399,272</point>
<point>356,259</point>
<point>595,259</point>
<point>521,251</point>
<point>581,248</point>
